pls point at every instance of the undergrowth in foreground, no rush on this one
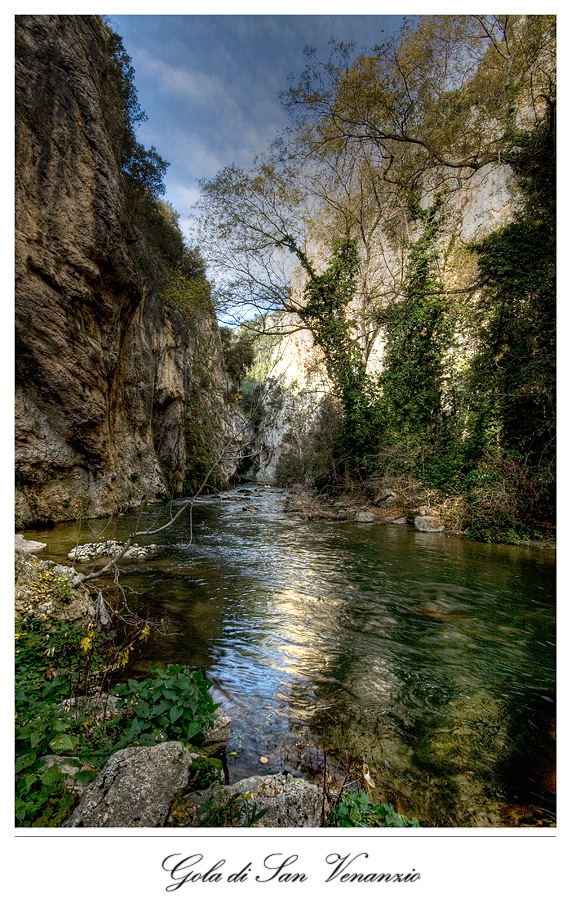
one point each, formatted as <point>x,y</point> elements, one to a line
<point>355,809</point>
<point>58,662</point>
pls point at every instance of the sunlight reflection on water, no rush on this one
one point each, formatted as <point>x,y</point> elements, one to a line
<point>430,656</point>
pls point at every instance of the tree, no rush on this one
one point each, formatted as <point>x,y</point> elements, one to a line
<point>440,98</point>
<point>142,169</point>
<point>364,195</point>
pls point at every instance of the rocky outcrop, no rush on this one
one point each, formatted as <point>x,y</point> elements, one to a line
<point>109,383</point>
<point>49,592</point>
<point>136,788</point>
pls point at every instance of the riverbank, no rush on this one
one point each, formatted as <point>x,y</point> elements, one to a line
<point>397,505</point>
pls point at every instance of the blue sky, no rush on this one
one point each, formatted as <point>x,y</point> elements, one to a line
<point>210,84</point>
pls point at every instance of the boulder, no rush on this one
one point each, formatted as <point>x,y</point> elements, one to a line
<point>402,520</point>
<point>100,708</point>
<point>428,523</point>
<point>364,515</point>
<point>26,546</point>
<point>290,803</point>
<point>135,788</point>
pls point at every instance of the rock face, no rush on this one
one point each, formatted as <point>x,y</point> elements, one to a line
<point>107,383</point>
<point>135,788</point>
<point>289,802</point>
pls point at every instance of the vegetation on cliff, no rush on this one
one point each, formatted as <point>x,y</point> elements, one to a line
<point>369,195</point>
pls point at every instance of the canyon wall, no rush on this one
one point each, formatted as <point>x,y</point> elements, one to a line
<point>111,387</point>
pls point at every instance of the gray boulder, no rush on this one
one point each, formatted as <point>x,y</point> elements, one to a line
<point>26,546</point>
<point>135,788</point>
<point>290,802</point>
<point>365,516</point>
<point>428,523</point>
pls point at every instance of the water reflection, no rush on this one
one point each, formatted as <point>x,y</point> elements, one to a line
<point>431,657</point>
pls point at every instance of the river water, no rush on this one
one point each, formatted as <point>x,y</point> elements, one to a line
<point>425,657</point>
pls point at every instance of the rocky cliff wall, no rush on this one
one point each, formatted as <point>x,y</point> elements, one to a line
<point>108,382</point>
<point>475,206</point>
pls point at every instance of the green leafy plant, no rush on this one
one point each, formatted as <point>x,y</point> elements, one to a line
<point>174,704</point>
<point>355,809</point>
<point>239,811</point>
<point>41,728</point>
<point>58,661</point>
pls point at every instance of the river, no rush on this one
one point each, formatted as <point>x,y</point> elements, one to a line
<point>428,658</point>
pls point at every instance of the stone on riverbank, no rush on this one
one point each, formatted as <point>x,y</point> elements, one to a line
<point>216,738</point>
<point>364,515</point>
<point>26,546</point>
<point>290,803</point>
<point>135,788</point>
<point>86,552</point>
<point>428,523</point>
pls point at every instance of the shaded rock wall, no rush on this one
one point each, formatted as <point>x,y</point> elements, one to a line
<point>103,373</point>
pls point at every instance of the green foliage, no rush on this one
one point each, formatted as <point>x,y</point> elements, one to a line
<point>143,170</point>
<point>56,662</point>
<point>418,334</point>
<point>238,811</point>
<point>355,809</point>
<point>204,770</point>
<point>328,314</point>
<point>510,407</point>
<point>187,293</point>
<point>174,704</point>
<point>41,726</point>
<point>238,351</point>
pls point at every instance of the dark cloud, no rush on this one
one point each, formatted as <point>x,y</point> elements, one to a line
<point>210,84</point>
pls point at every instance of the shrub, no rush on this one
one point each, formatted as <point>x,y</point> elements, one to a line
<point>56,662</point>
<point>174,704</point>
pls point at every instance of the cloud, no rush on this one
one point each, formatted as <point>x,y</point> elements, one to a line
<point>210,84</point>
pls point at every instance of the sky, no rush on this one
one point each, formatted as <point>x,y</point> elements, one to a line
<point>210,84</point>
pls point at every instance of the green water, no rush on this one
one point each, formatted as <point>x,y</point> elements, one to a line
<point>428,657</point>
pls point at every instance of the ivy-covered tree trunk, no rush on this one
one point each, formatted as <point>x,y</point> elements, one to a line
<point>328,314</point>
<point>418,334</point>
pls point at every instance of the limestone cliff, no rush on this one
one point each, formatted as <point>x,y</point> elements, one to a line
<point>294,411</point>
<point>110,385</point>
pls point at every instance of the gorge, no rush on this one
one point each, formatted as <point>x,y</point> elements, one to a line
<point>365,461</point>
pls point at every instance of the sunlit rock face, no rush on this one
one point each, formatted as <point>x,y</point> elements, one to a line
<point>475,206</point>
<point>103,374</point>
